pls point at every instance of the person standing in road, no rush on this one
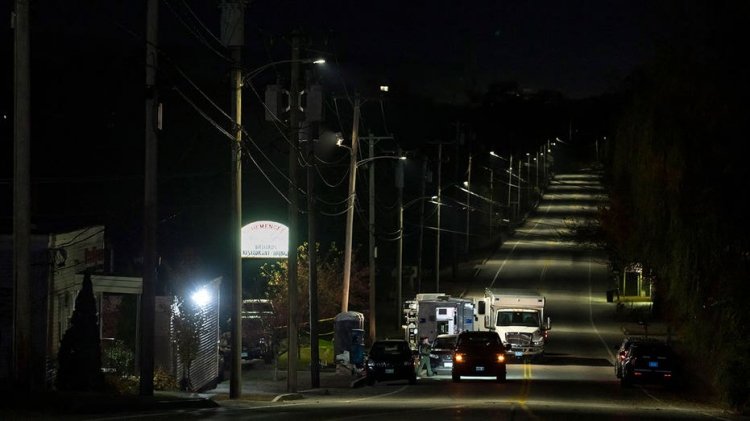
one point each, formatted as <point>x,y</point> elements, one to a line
<point>424,357</point>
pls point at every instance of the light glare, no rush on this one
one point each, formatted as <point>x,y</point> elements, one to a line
<point>201,297</point>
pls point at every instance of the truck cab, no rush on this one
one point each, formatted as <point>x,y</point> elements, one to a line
<point>518,318</point>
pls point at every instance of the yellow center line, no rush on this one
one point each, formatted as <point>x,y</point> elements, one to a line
<point>523,394</point>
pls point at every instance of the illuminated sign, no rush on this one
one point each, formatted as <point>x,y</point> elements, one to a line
<point>265,240</point>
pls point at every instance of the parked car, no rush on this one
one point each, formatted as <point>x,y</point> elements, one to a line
<point>622,350</point>
<point>441,355</point>
<point>390,359</point>
<point>648,362</point>
<point>479,354</point>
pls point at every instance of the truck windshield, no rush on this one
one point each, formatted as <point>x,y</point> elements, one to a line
<point>517,318</point>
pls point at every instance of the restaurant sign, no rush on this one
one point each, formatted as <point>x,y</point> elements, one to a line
<point>265,240</point>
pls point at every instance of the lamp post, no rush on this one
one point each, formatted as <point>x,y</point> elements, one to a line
<point>353,165</point>
<point>350,207</point>
<point>510,180</point>
<point>468,208</point>
<point>528,178</point>
<point>400,249</point>
<point>439,200</point>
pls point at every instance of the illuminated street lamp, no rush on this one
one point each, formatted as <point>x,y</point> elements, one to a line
<point>201,297</point>
<point>255,72</point>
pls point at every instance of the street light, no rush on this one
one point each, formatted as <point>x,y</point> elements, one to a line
<point>353,165</point>
<point>201,297</point>
<point>510,179</point>
<point>255,72</point>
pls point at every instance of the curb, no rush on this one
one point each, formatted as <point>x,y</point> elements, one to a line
<point>358,382</point>
<point>288,397</point>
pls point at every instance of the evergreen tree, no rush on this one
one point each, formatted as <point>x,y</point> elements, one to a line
<point>79,358</point>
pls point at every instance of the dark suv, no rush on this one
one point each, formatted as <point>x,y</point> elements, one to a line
<point>648,362</point>
<point>479,354</point>
<point>390,359</point>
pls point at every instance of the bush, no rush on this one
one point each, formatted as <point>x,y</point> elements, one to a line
<point>119,357</point>
<point>164,380</point>
<point>116,384</point>
<point>735,378</point>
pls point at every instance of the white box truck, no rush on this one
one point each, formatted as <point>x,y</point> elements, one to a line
<point>518,317</point>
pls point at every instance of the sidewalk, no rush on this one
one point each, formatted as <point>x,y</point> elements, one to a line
<point>260,383</point>
<point>51,404</point>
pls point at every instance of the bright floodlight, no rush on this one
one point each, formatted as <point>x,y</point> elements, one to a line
<point>466,183</point>
<point>433,198</point>
<point>403,158</point>
<point>384,88</point>
<point>319,61</point>
<point>201,297</point>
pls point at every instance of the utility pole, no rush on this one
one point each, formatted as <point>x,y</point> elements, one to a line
<point>518,205</point>
<point>371,214</point>
<point>468,206</point>
<point>400,251</point>
<point>146,328</point>
<point>312,135</point>
<point>22,344</point>
<point>544,166</point>
<point>492,201</point>
<point>536,169</point>
<point>510,186</point>
<point>420,248</point>
<point>528,179</point>
<point>233,36</point>
<point>439,205</point>
<point>350,208</point>
<point>312,257</point>
<point>294,118</point>
<point>455,234</point>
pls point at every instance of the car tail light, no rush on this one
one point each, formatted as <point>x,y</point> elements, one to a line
<point>460,358</point>
<point>637,373</point>
<point>501,358</point>
<point>668,375</point>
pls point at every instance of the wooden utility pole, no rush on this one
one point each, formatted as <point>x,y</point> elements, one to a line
<point>22,347</point>
<point>146,328</point>
<point>371,225</point>
<point>510,187</point>
<point>468,207</point>
<point>439,205</point>
<point>492,201</point>
<point>233,36</point>
<point>400,248</point>
<point>420,248</point>
<point>294,119</point>
<point>312,257</point>
<point>350,208</point>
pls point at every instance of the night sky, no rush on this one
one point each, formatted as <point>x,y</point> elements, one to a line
<point>87,101</point>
